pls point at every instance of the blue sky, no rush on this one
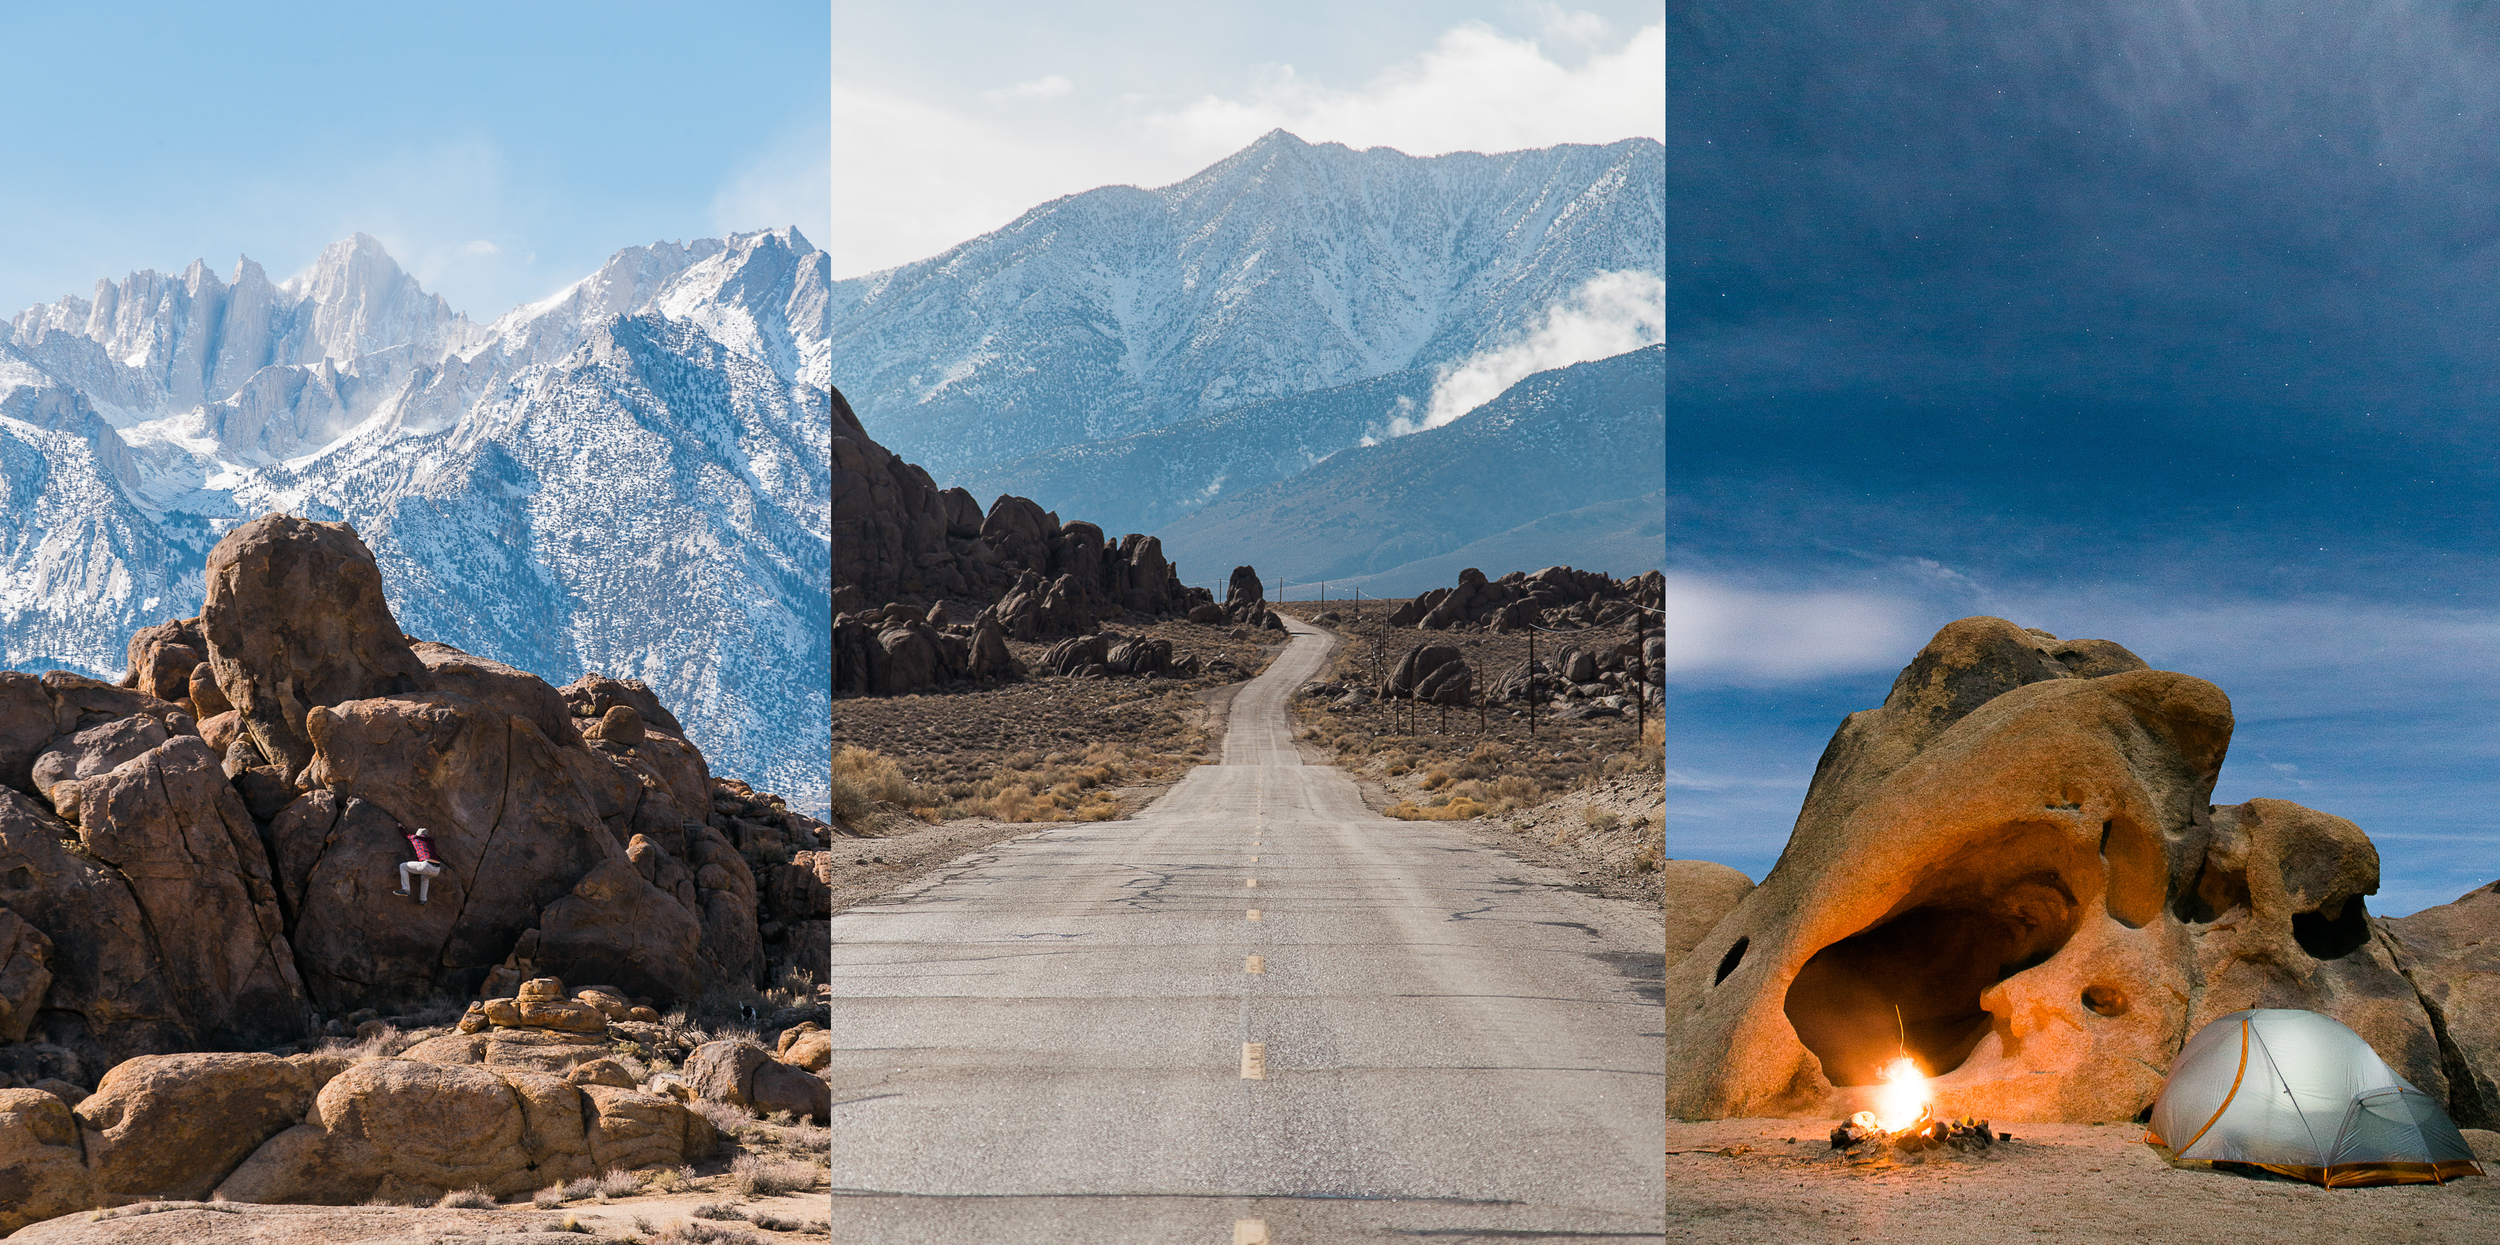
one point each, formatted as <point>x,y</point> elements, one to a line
<point>2174,325</point>
<point>500,151</point>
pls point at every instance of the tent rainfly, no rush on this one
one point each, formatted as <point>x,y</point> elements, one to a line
<point>2294,1092</point>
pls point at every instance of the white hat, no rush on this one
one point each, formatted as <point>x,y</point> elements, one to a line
<point>424,833</point>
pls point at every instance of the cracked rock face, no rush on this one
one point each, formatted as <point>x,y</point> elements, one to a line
<point>2451,953</point>
<point>296,618</point>
<point>2011,870</point>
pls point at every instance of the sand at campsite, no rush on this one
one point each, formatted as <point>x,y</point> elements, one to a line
<point>2054,1182</point>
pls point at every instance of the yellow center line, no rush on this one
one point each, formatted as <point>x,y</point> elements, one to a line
<point>1254,914</point>
<point>1254,1061</point>
<point>1254,964</point>
<point>1249,881</point>
<point>1250,1232</point>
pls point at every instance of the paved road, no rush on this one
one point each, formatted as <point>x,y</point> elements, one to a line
<point>1048,1041</point>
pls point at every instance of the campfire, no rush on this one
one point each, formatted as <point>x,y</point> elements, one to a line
<point>1904,1120</point>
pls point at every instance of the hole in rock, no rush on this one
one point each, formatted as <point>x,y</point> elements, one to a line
<point>2332,938</point>
<point>2105,1000</point>
<point>1727,963</point>
<point>1932,962</point>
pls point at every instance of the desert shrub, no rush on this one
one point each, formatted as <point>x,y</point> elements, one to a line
<point>1599,819</point>
<point>726,1118</point>
<point>473,1198</point>
<point>619,1184</point>
<point>548,1198</point>
<point>804,1227</point>
<point>579,1190</point>
<point>697,1232</point>
<point>671,1180</point>
<point>1458,808</point>
<point>1436,780</point>
<point>1486,761</point>
<point>861,776</point>
<point>758,1177</point>
<point>718,1210</point>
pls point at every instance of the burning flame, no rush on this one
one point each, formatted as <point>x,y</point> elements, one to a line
<point>1902,1102</point>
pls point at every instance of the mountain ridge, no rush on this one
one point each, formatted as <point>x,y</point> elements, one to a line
<point>1284,268</point>
<point>651,443</point>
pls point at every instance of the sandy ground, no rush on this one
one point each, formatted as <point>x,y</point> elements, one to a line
<point>621,1219</point>
<point>2083,1183</point>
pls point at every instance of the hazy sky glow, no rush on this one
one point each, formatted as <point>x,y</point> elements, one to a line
<point>943,131</point>
<point>2176,325</point>
<point>499,151</point>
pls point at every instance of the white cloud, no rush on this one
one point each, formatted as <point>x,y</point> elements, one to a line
<point>1048,86</point>
<point>480,247</point>
<point>1611,313</point>
<point>1474,90</point>
<point>1715,629</point>
<point>912,179</point>
<point>913,176</point>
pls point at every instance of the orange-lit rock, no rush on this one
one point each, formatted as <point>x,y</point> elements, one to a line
<point>2010,870</point>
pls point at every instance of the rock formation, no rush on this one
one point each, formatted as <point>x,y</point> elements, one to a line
<point>903,547</point>
<point>1557,597</point>
<point>2011,868</point>
<point>408,1131</point>
<point>1435,674</point>
<point>172,882</point>
<point>2451,955</point>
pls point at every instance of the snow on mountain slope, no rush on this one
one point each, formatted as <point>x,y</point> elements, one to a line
<point>630,477</point>
<point>1555,443</point>
<point>1283,269</point>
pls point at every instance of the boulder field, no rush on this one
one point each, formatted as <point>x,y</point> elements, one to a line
<point>1557,597</point>
<point>2012,869</point>
<point>508,1105</point>
<point>903,548</point>
<point>201,860</point>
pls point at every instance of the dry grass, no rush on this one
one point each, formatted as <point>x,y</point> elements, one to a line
<point>755,1176</point>
<point>670,1180</point>
<point>861,777</point>
<point>476,1198</point>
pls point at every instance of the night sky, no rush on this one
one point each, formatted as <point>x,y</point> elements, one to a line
<point>2175,324</point>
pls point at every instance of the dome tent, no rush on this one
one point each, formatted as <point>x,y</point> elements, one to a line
<point>2295,1092</point>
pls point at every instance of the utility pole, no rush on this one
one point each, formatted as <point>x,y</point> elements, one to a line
<point>1531,678</point>
<point>1640,664</point>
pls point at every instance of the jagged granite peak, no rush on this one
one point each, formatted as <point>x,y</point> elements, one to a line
<point>358,301</point>
<point>152,345</point>
<point>1284,268</point>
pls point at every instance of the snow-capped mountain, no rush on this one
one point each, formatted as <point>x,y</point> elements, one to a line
<point>630,477</point>
<point>1285,268</point>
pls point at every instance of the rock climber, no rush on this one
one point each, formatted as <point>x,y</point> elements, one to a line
<point>420,841</point>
